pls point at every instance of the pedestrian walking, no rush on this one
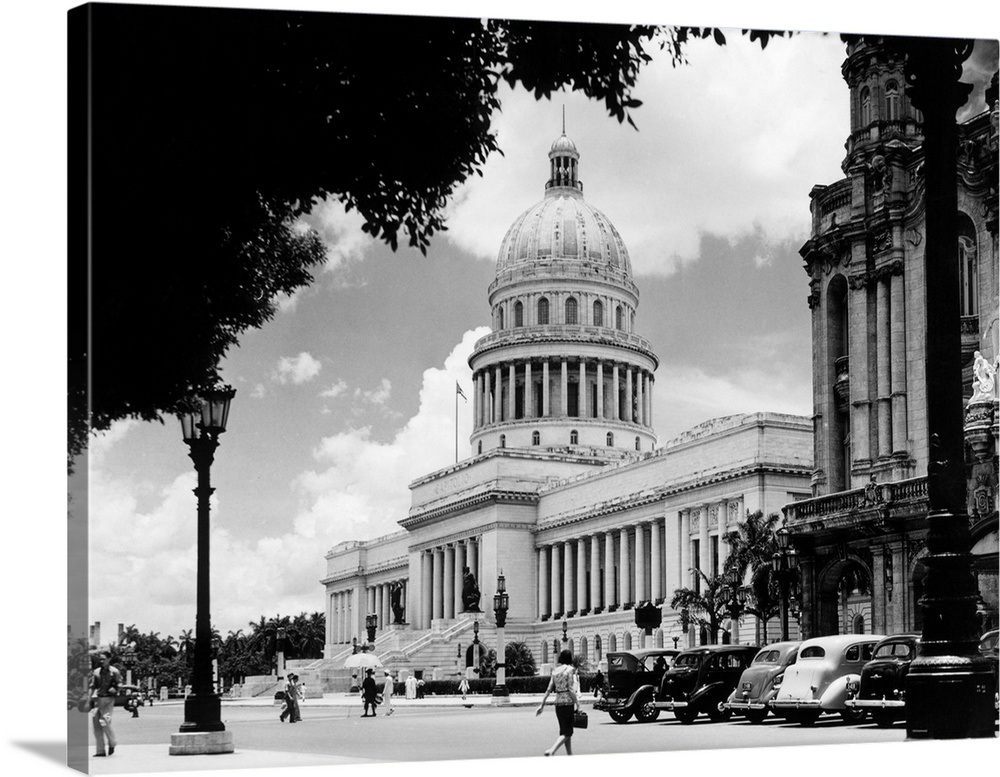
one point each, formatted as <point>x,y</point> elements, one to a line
<point>291,709</point>
<point>387,689</point>
<point>567,702</point>
<point>463,687</point>
<point>369,690</point>
<point>598,684</point>
<point>411,687</point>
<point>104,683</point>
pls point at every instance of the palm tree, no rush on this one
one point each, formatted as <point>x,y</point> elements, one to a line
<point>519,659</point>
<point>186,645</point>
<point>707,606</point>
<point>752,546</point>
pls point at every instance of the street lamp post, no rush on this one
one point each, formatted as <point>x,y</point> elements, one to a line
<point>280,636</point>
<point>736,598</point>
<point>686,625</point>
<point>371,625</point>
<point>475,647</point>
<point>785,563</point>
<point>203,730</point>
<point>501,604</point>
<point>565,635</point>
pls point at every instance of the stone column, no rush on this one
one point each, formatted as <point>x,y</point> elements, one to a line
<point>460,565</point>
<point>476,390</point>
<point>555,578</point>
<point>596,604</point>
<point>897,315</point>
<point>581,578</point>
<point>498,396</point>
<point>656,559</point>
<point>512,392</point>
<point>426,589</point>
<point>704,547</point>
<point>472,562</point>
<point>640,399</point>
<point>860,399</point>
<point>546,399</point>
<point>581,392</point>
<point>600,389</point>
<point>623,568</point>
<point>610,597</point>
<point>723,529</point>
<point>883,358</point>
<point>529,393</point>
<point>437,581</point>
<point>628,395</point>
<point>449,581</point>
<point>487,399</point>
<point>641,594</point>
<point>564,389</point>
<point>543,583</point>
<point>671,555</point>
<point>370,595</point>
<point>687,576</point>
<point>616,399</point>
<point>569,603</point>
<point>649,394</point>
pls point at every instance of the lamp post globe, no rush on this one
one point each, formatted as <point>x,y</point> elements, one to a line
<point>201,731</point>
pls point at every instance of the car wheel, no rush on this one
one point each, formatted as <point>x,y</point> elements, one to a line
<point>717,713</point>
<point>645,712</point>
<point>685,715</point>
<point>756,716</point>
<point>620,716</point>
<point>852,716</point>
<point>883,718</point>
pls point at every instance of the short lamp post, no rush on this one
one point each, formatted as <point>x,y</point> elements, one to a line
<point>501,604</point>
<point>203,730</point>
<point>686,625</point>
<point>735,596</point>
<point>475,648</point>
<point>565,635</point>
<point>785,564</point>
<point>280,636</point>
<point>371,625</point>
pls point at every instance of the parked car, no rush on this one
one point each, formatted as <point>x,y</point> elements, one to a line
<point>701,680</point>
<point>881,689</point>
<point>817,681</point>
<point>988,647</point>
<point>760,681</point>
<point>633,677</point>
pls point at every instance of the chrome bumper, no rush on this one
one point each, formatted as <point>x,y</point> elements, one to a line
<point>874,704</point>
<point>669,705</point>
<point>736,706</point>
<point>795,704</point>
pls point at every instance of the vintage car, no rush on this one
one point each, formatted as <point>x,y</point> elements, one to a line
<point>880,691</point>
<point>760,681</point>
<point>817,681</point>
<point>701,680</point>
<point>633,677</point>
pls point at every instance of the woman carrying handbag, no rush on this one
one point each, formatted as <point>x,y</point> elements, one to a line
<point>567,703</point>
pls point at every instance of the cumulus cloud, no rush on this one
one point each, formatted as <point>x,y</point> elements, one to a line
<point>377,396</point>
<point>143,544</point>
<point>335,390</point>
<point>341,233</point>
<point>297,369</point>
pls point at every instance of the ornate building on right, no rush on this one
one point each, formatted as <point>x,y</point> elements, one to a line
<point>861,535</point>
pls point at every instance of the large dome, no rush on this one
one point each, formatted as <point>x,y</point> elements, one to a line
<point>563,227</point>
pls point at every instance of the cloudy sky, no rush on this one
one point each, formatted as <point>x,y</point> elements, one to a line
<point>348,394</point>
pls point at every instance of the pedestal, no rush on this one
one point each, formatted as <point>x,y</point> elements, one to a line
<point>202,743</point>
<point>501,696</point>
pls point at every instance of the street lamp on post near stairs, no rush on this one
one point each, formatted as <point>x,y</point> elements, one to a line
<point>785,564</point>
<point>501,604</point>
<point>736,598</point>
<point>203,730</point>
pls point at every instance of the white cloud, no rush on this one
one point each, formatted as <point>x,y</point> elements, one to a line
<point>727,144</point>
<point>378,396</point>
<point>335,390</point>
<point>341,233</point>
<point>297,369</point>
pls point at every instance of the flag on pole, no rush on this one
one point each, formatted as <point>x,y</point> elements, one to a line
<point>458,390</point>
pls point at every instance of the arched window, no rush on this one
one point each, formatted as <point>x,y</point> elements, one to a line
<point>866,107</point>
<point>597,647</point>
<point>598,313</point>
<point>612,643</point>
<point>536,438</point>
<point>611,439</point>
<point>545,651</point>
<point>968,266</point>
<point>571,310</point>
<point>618,317</point>
<point>892,101</point>
<point>858,626</point>
<point>518,314</point>
<point>631,322</point>
<point>543,311</point>
<point>503,440</point>
<point>574,438</point>
<point>500,317</point>
<point>627,641</point>
<point>637,443</point>
<point>479,449</point>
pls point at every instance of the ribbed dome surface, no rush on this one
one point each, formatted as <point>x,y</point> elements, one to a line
<point>563,227</point>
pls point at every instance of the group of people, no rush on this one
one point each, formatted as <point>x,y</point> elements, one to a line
<point>294,693</point>
<point>371,697</point>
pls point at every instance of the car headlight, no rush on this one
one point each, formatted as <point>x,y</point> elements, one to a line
<point>778,679</point>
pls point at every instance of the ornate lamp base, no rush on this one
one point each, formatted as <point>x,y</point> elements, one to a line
<point>501,696</point>
<point>950,697</point>
<point>202,743</point>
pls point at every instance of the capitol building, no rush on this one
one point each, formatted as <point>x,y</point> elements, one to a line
<point>567,493</point>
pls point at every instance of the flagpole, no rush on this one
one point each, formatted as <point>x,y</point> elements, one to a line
<point>456,423</point>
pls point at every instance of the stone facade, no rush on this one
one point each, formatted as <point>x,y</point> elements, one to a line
<point>862,535</point>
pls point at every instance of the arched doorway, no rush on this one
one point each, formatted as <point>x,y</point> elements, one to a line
<point>845,597</point>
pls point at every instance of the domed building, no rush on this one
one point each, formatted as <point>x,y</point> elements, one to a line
<point>566,499</point>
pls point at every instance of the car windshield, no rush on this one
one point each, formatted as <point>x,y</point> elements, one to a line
<point>692,659</point>
<point>894,650</point>
<point>813,651</point>
<point>767,657</point>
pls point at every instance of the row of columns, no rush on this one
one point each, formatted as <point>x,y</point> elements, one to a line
<point>648,560</point>
<point>379,598</point>
<point>604,380</point>
<point>442,577</point>
<point>341,616</point>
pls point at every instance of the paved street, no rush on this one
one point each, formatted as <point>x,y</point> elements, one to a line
<point>337,734</point>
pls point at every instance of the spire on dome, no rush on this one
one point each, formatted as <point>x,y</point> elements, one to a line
<point>564,162</point>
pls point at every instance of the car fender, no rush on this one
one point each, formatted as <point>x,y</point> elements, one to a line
<point>633,699</point>
<point>703,694</point>
<point>835,695</point>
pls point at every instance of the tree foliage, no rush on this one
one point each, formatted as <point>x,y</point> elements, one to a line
<point>207,132</point>
<point>706,604</point>
<point>752,545</point>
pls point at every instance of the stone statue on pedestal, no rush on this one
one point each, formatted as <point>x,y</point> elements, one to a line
<point>470,591</point>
